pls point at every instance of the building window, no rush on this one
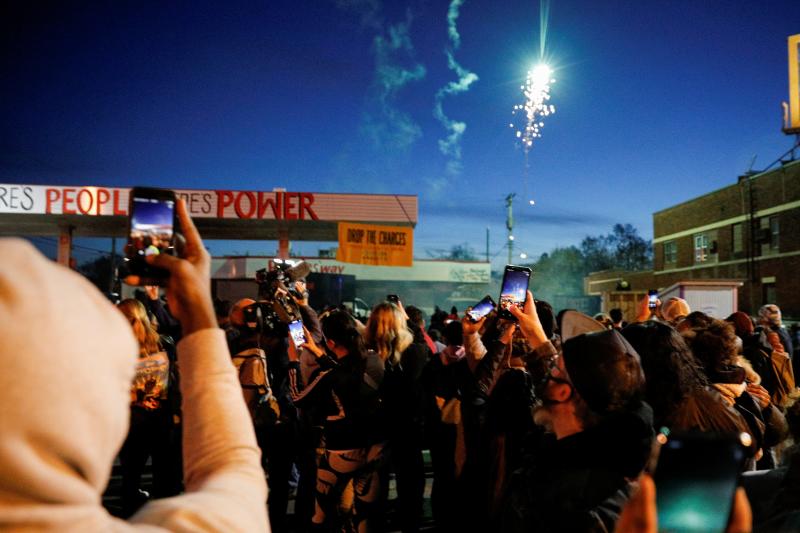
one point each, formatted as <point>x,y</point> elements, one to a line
<point>738,239</point>
<point>670,252</point>
<point>701,251</point>
<point>774,232</point>
<point>769,293</point>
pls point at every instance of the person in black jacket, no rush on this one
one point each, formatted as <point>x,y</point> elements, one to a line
<point>405,354</point>
<point>346,390</point>
<point>589,397</point>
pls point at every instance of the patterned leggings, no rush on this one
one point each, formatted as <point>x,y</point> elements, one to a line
<point>336,469</point>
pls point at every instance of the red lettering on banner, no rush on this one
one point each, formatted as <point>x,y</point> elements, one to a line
<point>87,211</point>
<point>102,199</point>
<point>306,199</point>
<point>67,199</point>
<point>274,203</point>
<point>251,203</point>
<point>288,214</point>
<point>224,199</point>
<point>52,195</point>
<point>117,209</point>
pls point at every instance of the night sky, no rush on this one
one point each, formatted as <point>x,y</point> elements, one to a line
<point>656,103</point>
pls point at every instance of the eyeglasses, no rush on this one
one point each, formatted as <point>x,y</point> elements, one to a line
<point>542,370</point>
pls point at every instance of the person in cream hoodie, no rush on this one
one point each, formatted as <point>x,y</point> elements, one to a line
<point>67,358</point>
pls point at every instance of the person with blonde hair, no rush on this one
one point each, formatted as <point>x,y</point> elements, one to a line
<point>401,345</point>
<point>155,413</point>
<point>387,332</point>
<point>143,330</point>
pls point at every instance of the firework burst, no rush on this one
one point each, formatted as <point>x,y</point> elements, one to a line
<point>536,107</point>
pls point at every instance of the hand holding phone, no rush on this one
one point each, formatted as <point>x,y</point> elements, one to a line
<point>652,298</point>
<point>513,290</point>
<point>152,224</point>
<point>297,332</point>
<point>481,309</point>
<point>189,280</point>
<point>395,299</point>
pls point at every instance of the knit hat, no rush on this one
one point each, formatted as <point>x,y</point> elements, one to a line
<point>674,309</point>
<point>741,323</point>
<point>770,314</point>
<point>604,369</point>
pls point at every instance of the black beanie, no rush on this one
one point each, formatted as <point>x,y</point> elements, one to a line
<point>604,369</point>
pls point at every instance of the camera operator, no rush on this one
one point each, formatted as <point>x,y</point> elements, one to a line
<point>58,444</point>
<point>253,352</point>
<point>288,439</point>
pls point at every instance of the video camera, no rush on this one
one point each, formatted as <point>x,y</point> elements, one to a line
<point>275,307</point>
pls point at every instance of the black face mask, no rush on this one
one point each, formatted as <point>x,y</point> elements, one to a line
<point>541,371</point>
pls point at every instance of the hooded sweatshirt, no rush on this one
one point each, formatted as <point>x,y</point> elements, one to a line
<point>68,359</point>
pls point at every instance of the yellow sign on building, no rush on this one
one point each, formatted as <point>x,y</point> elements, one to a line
<point>791,111</point>
<point>367,244</point>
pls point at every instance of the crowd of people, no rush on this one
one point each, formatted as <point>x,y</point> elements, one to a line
<point>544,422</point>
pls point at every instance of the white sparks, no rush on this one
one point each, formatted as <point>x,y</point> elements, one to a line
<point>537,93</point>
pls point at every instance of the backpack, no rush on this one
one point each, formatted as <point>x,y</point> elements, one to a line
<point>251,365</point>
<point>371,386</point>
<point>783,374</point>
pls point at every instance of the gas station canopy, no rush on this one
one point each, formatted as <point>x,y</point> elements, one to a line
<point>219,214</point>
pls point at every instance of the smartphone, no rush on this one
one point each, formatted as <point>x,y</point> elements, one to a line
<point>652,298</point>
<point>393,298</point>
<point>696,478</point>
<point>481,309</point>
<point>152,223</point>
<point>514,289</point>
<point>296,331</point>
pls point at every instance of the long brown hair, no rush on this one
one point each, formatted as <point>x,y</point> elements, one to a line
<point>387,332</point>
<point>143,329</point>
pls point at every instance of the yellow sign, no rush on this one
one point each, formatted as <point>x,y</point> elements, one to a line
<point>366,244</point>
<point>791,110</point>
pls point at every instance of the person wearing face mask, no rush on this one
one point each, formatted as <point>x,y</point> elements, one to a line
<point>589,396</point>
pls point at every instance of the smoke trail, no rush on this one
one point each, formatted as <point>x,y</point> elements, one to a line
<point>384,124</point>
<point>451,144</point>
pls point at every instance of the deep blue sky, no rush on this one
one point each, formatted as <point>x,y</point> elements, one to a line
<point>657,102</point>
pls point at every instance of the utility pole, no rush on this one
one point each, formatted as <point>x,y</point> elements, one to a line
<point>487,244</point>
<point>112,275</point>
<point>510,226</point>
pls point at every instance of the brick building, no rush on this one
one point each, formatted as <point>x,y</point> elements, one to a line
<point>748,232</point>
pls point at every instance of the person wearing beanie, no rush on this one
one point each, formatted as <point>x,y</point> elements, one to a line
<point>589,397</point>
<point>65,402</point>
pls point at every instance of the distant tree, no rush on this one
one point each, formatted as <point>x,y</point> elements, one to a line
<point>558,275</point>
<point>597,253</point>
<point>457,252</point>
<point>631,252</point>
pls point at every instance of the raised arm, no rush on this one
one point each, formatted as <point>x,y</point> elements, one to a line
<point>225,485</point>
